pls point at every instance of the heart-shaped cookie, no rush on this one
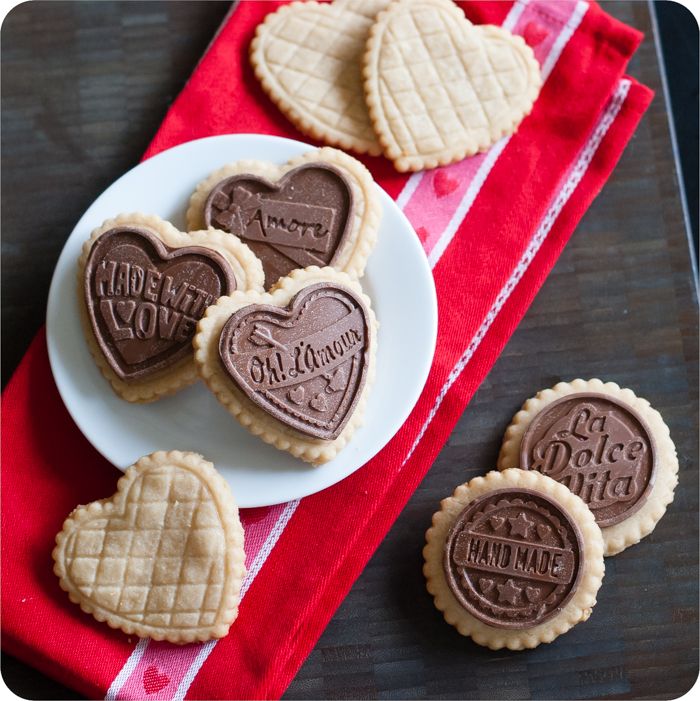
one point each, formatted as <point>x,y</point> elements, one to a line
<point>303,219</point>
<point>320,209</point>
<point>163,558</point>
<point>143,288</point>
<point>293,366</point>
<point>307,56</point>
<point>439,88</point>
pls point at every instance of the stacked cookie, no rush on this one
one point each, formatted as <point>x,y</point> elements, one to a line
<point>260,299</point>
<point>515,558</point>
<point>412,79</point>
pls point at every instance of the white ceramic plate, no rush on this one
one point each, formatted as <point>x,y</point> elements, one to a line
<point>398,280</point>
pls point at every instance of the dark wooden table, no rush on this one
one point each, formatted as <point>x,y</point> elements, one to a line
<point>84,86</point>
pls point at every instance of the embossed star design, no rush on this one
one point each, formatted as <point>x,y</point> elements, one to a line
<point>508,592</point>
<point>520,525</point>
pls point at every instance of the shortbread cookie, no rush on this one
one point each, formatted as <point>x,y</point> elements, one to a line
<point>439,88</point>
<point>307,56</point>
<point>142,287</point>
<point>294,365</point>
<point>162,558</point>
<point>513,559</point>
<point>318,209</point>
<point>606,445</point>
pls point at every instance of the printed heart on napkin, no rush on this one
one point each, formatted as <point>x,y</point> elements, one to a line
<point>144,298</point>
<point>439,88</point>
<point>306,364</point>
<point>307,56</point>
<point>163,558</point>
<point>303,219</point>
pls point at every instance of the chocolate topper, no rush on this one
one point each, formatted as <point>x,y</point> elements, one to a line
<point>513,558</point>
<point>600,448</point>
<point>303,219</point>
<point>144,298</point>
<point>305,364</point>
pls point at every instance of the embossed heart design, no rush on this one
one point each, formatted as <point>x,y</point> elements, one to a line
<point>162,558</point>
<point>533,594</point>
<point>319,344</point>
<point>303,219</point>
<point>486,585</point>
<point>439,88</point>
<point>144,298</point>
<point>308,58</point>
<point>543,530</point>
<point>153,680</point>
<point>496,522</point>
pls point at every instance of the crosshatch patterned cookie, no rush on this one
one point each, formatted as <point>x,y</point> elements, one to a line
<point>513,559</point>
<point>307,56</point>
<point>319,209</point>
<point>142,287</point>
<point>439,88</point>
<point>606,445</point>
<point>295,365</point>
<point>163,558</point>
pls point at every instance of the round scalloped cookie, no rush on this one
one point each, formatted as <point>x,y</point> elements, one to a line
<point>661,480</point>
<point>477,618</point>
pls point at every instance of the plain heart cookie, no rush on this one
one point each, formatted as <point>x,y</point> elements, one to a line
<point>513,559</point>
<point>319,209</point>
<point>163,558</point>
<point>307,57</point>
<point>142,287</point>
<point>439,88</point>
<point>294,365</point>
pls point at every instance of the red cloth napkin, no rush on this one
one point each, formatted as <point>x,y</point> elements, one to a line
<point>492,226</point>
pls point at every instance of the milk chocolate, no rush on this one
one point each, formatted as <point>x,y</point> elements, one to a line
<point>144,298</point>
<point>303,219</point>
<point>305,364</point>
<point>600,448</point>
<point>513,558</point>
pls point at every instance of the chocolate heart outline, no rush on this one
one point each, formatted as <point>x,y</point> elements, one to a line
<point>286,317</point>
<point>278,186</point>
<point>165,254</point>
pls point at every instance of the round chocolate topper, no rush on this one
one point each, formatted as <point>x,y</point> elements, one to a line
<point>600,448</point>
<point>303,219</point>
<point>513,558</point>
<point>305,364</point>
<point>144,298</point>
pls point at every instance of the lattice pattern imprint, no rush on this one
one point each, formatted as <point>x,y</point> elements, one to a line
<point>440,88</point>
<point>308,58</point>
<point>165,554</point>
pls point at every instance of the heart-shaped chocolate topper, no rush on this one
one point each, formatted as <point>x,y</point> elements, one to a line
<point>303,219</point>
<point>305,364</point>
<point>144,298</point>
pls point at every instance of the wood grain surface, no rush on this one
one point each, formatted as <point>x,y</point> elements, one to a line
<point>84,86</point>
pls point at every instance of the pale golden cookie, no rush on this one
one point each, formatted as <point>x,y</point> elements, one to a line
<point>307,56</point>
<point>607,445</point>
<point>513,559</point>
<point>354,226</point>
<point>294,366</point>
<point>163,558</point>
<point>439,88</point>
<point>128,306</point>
